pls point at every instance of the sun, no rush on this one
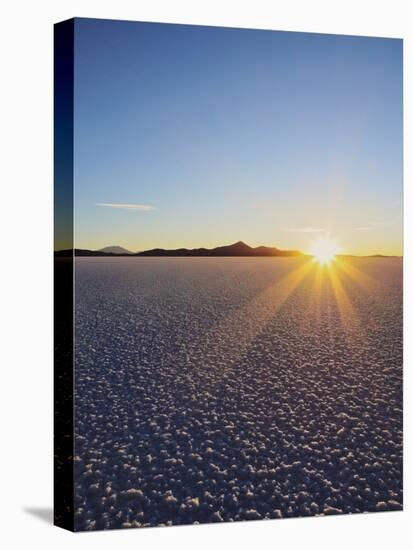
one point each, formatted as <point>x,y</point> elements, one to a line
<point>324,250</point>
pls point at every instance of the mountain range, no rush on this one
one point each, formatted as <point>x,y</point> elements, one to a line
<point>237,249</point>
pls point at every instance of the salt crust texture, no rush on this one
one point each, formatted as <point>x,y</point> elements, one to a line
<point>225,389</point>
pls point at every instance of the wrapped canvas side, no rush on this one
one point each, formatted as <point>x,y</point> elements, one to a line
<point>63,275</point>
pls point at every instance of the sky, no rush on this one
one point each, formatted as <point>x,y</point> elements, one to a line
<point>190,136</point>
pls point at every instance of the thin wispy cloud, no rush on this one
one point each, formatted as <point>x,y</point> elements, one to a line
<point>306,229</point>
<point>123,206</point>
<point>375,226</point>
<point>385,223</point>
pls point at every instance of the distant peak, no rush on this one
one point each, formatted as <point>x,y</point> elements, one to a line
<point>115,249</point>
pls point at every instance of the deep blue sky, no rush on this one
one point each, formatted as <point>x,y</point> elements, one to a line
<point>233,134</point>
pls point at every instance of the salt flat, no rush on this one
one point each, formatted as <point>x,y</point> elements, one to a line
<point>215,389</point>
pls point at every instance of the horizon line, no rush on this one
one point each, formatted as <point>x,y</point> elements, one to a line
<point>282,250</point>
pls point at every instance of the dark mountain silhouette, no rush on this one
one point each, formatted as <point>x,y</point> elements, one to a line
<point>236,249</point>
<point>115,250</point>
